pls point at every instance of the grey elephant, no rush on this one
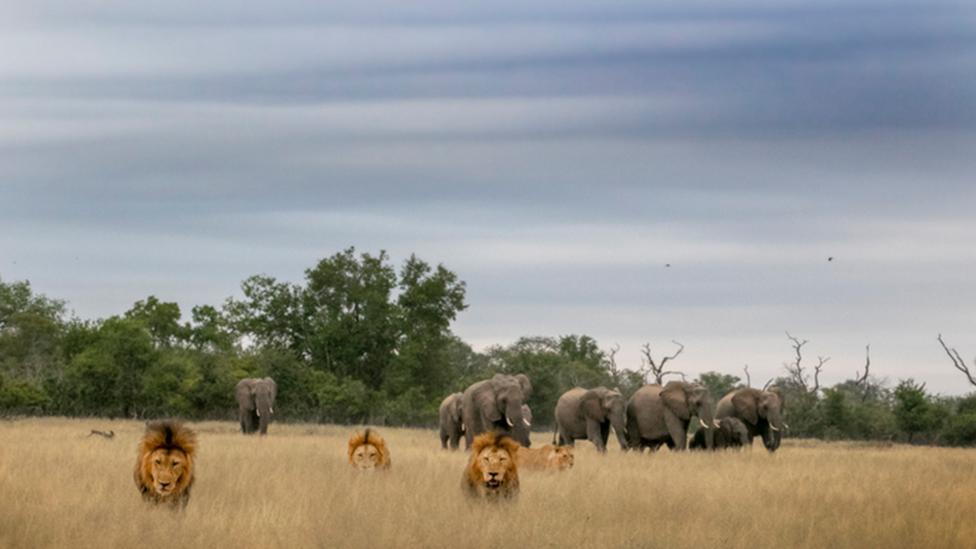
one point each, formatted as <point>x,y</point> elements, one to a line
<point>255,403</point>
<point>589,414</point>
<point>496,405</point>
<point>452,425</point>
<point>760,410</point>
<point>731,433</point>
<point>659,415</point>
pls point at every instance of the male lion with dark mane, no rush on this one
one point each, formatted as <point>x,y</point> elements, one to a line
<point>164,466</point>
<point>549,457</point>
<point>492,472</point>
<point>368,451</point>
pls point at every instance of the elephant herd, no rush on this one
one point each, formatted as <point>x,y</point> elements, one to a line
<point>655,415</point>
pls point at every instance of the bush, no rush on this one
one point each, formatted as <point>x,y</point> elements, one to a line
<point>960,430</point>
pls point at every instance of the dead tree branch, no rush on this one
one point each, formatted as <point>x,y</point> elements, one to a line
<point>651,367</point>
<point>957,361</point>
<point>796,369</point>
<point>748,377</point>
<point>615,372</point>
<point>862,379</point>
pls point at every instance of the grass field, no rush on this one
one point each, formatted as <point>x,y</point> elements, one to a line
<point>293,488</point>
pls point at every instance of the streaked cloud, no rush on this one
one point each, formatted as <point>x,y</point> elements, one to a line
<point>556,154</point>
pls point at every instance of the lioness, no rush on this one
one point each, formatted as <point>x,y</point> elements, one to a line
<point>550,457</point>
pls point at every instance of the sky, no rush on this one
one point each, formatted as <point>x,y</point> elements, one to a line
<point>557,155</point>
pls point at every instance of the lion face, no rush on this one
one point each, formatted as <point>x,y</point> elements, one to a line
<point>166,467</point>
<point>492,471</point>
<point>560,458</point>
<point>494,464</point>
<point>366,457</point>
<point>368,451</point>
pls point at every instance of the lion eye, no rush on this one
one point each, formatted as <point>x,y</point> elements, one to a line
<point>159,462</point>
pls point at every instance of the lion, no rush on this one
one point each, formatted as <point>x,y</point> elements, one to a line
<point>368,451</point>
<point>492,472</point>
<point>164,466</point>
<point>548,457</point>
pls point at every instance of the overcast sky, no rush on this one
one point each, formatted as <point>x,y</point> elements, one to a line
<point>556,155</point>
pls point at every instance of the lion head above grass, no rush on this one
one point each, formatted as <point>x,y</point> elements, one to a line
<point>492,472</point>
<point>368,451</point>
<point>164,466</point>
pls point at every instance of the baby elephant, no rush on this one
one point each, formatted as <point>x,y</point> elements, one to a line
<point>731,433</point>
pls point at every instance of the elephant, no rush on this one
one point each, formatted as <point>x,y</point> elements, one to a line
<point>760,410</point>
<point>660,415</point>
<point>589,414</point>
<point>731,433</point>
<point>255,400</point>
<point>452,428</point>
<point>496,405</point>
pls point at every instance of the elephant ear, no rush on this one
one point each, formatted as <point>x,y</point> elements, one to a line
<point>592,405</point>
<point>525,384</point>
<point>676,399</point>
<point>274,387</point>
<point>746,406</point>
<point>778,391</point>
<point>484,399</point>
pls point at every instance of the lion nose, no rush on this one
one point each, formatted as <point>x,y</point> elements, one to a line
<point>492,475</point>
<point>163,484</point>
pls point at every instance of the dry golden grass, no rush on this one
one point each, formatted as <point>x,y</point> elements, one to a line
<point>294,488</point>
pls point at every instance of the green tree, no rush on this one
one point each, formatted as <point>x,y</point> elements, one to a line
<point>912,410</point>
<point>30,332</point>
<point>719,384</point>
<point>161,319</point>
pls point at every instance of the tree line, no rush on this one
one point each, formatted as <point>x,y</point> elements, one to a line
<point>360,340</point>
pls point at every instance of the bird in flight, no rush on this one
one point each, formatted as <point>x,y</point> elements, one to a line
<point>831,258</point>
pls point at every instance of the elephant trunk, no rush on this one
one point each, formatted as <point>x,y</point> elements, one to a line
<point>619,424</point>
<point>516,422</point>
<point>265,413</point>
<point>774,431</point>
<point>706,420</point>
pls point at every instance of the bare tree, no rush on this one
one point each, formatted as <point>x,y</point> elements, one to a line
<point>615,372</point>
<point>957,361</point>
<point>796,369</point>
<point>649,366</point>
<point>863,379</point>
<point>748,377</point>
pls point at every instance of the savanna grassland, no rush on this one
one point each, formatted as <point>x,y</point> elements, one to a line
<point>294,488</point>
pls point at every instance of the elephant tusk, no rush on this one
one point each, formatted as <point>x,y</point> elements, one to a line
<point>510,424</point>
<point>526,422</point>
<point>773,427</point>
<point>271,410</point>
<point>716,424</point>
<point>702,422</point>
<point>785,426</point>
<point>258,412</point>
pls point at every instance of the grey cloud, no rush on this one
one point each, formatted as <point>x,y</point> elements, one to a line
<point>556,154</point>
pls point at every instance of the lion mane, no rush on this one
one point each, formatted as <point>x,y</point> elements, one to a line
<point>370,437</point>
<point>492,472</point>
<point>548,457</point>
<point>167,448</point>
